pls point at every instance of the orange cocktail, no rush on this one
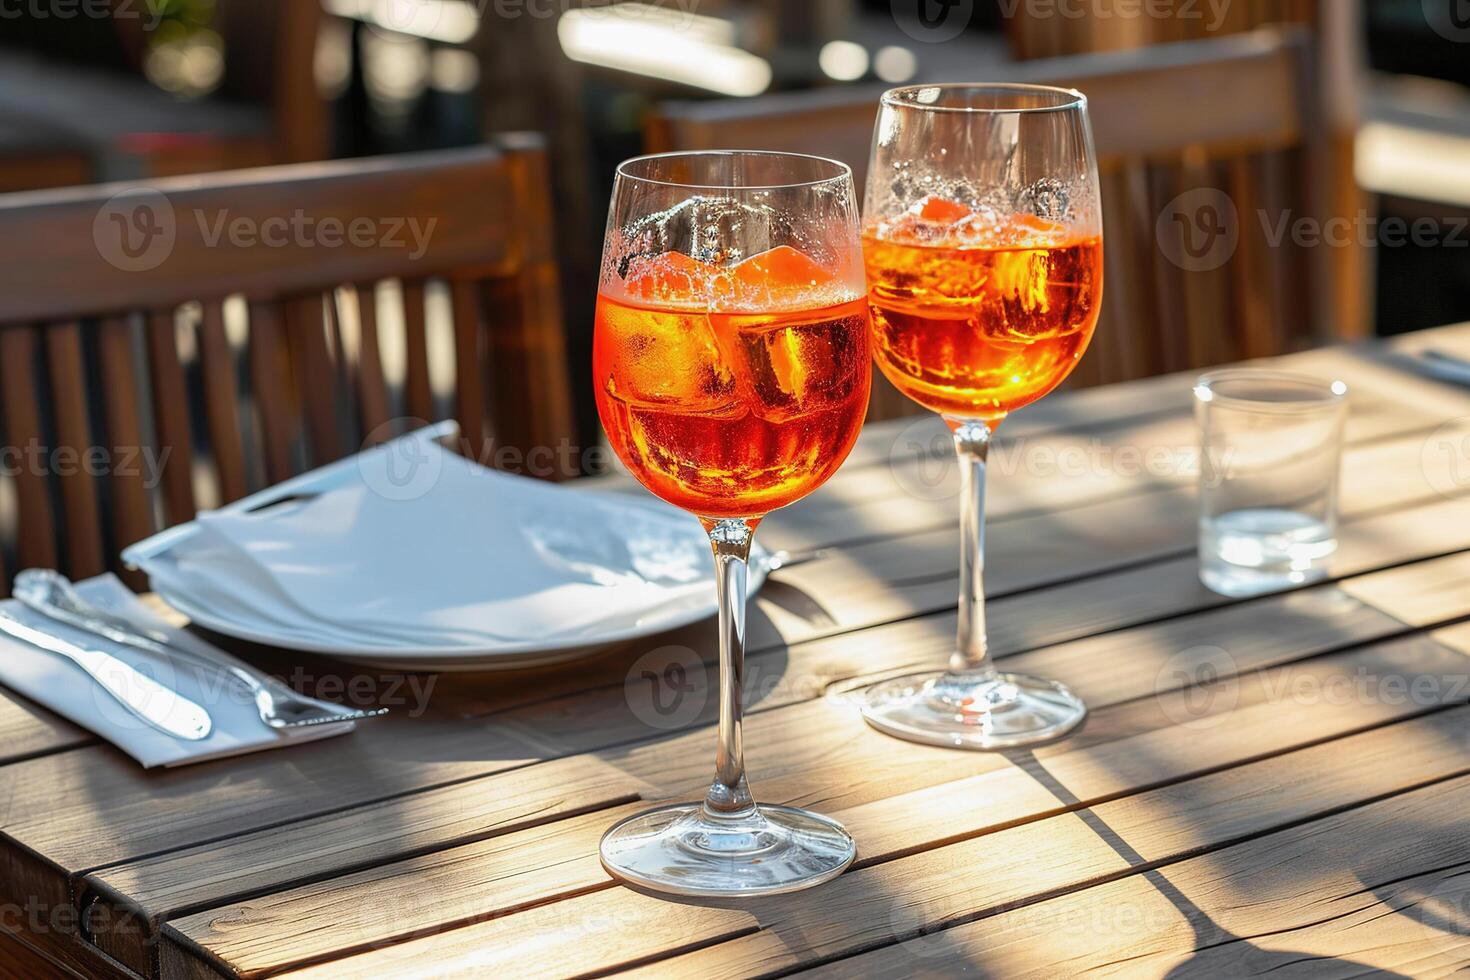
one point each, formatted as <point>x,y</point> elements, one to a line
<point>730,391</point>
<point>976,314</point>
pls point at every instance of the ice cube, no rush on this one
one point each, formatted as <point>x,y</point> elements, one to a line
<point>793,367</point>
<point>779,278</point>
<point>669,278</point>
<point>668,360</point>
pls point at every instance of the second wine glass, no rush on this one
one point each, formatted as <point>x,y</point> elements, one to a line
<point>982,235</point>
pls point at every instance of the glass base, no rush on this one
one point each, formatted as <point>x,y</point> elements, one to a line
<point>1002,712</point>
<point>686,850</point>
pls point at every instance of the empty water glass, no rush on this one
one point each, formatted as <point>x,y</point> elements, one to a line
<point>1270,449</point>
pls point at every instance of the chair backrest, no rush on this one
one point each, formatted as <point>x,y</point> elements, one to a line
<point>1232,114</point>
<point>176,344</point>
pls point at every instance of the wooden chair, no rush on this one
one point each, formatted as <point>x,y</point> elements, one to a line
<point>1234,113</point>
<point>276,339</point>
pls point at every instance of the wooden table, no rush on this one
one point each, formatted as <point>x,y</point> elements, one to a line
<point>1276,785</point>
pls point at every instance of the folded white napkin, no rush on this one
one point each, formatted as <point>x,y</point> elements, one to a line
<point>471,557</point>
<point>58,684</point>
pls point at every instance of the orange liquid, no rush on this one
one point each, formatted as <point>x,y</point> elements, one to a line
<point>731,414</point>
<point>978,332</point>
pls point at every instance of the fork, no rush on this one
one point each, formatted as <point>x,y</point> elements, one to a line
<point>52,594</point>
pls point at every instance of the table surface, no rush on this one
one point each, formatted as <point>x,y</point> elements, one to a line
<point>1273,785</point>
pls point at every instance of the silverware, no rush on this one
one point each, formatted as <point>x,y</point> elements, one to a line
<point>52,594</point>
<point>165,709</point>
<point>1445,365</point>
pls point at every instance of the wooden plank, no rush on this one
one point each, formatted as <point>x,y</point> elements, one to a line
<point>617,927</point>
<point>316,375</point>
<point>397,756</point>
<point>469,366</point>
<point>36,535</point>
<point>132,508</point>
<point>142,894</point>
<point>171,416</point>
<point>418,397</point>
<point>372,389</point>
<point>19,959</point>
<point>1259,638</point>
<point>270,383</point>
<point>28,730</point>
<point>1390,905</point>
<point>439,211</point>
<point>78,486</point>
<point>221,402</point>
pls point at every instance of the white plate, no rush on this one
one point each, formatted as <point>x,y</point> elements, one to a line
<point>609,518</point>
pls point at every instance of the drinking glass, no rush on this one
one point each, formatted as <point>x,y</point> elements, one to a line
<point>731,361</point>
<point>982,234</point>
<point>1270,451</point>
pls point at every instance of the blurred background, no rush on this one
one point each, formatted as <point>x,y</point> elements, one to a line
<point>1321,110</point>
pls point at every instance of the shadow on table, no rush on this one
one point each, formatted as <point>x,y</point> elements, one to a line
<point>1249,959</point>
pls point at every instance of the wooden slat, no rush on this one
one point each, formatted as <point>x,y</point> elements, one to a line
<point>83,528</point>
<point>1293,627</point>
<point>469,366</point>
<point>221,403</point>
<point>28,730</point>
<point>122,395</point>
<point>372,389</point>
<point>1390,905</point>
<point>616,927</point>
<point>171,416</point>
<point>36,534</point>
<point>333,788</point>
<point>459,201</point>
<point>274,393</point>
<point>316,375</point>
<point>418,397</point>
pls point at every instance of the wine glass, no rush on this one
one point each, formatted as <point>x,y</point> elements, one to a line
<point>731,362</point>
<point>982,236</point>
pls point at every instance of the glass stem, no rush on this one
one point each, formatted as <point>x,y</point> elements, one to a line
<point>729,796</point>
<point>970,663</point>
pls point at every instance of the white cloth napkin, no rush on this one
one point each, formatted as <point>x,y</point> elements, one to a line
<point>58,684</point>
<point>467,557</point>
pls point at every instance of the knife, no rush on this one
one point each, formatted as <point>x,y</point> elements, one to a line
<point>1445,366</point>
<point>161,707</point>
